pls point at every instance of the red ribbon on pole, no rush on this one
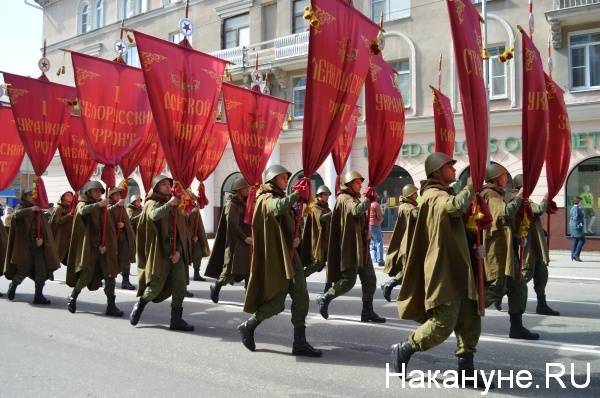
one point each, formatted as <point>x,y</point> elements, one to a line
<point>11,158</point>
<point>444,123</point>
<point>255,121</point>
<point>207,161</point>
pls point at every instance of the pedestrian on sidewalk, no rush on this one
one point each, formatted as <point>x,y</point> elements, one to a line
<point>376,243</point>
<point>576,223</point>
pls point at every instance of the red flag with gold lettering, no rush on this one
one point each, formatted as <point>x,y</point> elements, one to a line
<point>339,54</point>
<point>11,148</point>
<point>444,123</point>
<point>132,160</point>
<point>75,156</point>
<point>255,122</point>
<point>114,107</point>
<point>207,161</point>
<point>343,146</point>
<point>152,164</point>
<point>183,87</point>
<point>385,120</point>
<point>42,115</point>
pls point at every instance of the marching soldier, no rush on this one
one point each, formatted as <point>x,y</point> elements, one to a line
<point>315,236</point>
<point>163,254</point>
<point>125,236</point>
<point>276,269</point>
<point>200,248</point>
<point>401,239</point>
<point>134,211</point>
<point>31,251</point>
<point>347,255</point>
<point>536,254</point>
<point>230,259</point>
<point>3,245</point>
<point>61,224</point>
<point>439,287</point>
<point>93,249</point>
<point>500,257</point>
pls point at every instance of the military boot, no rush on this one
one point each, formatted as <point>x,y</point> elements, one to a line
<point>328,286</point>
<point>246,330</point>
<point>12,290</point>
<point>301,346</point>
<point>543,308</point>
<point>518,331</point>
<point>188,294</point>
<point>111,307</point>
<point>197,276</point>
<point>1,295</point>
<point>401,353</point>
<point>214,292</point>
<point>126,285</point>
<point>465,364</point>
<point>136,312</point>
<point>177,322</point>
<point>72,301</point>
<point>368,315</point>
<point>387,288</point>
<point>39,296</point>
<point>498,304</point>
<point>323,301</point>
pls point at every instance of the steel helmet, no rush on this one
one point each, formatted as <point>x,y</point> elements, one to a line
<point>351,176</point>
<point>134,198</point>
<point>92,185</point>
<point>156,180</point>
<point>239,184</point>
<point>274,171</point>
<point>323,189</point>
<point>436,161</point>
<point>408,190</point>
<point>493,171</point>
<point>518,181</point>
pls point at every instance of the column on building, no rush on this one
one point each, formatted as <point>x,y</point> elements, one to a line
<point>329,178</point>
<point>208,213</point>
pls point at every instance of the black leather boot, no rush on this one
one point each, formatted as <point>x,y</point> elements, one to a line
<point>387,289</point>
<point>401,353</point>
<point>136,312</point>
<point>246,330</point>
<point>518,331</point>
<point>197,276</point>
<point>177,322</point>
<point>72,301</point>
<point>214,292</point>
<point>498,304</point>
<point>543,308</point>
<point>323,301</point>
<point>12,290</point>
<point>328,286</point>
<point>111,307</point>
<point>126,285</point>
<point>301,346</point>
<point>465,364</point>
<point>368,315</point>
<point>39,296</point>
<point>188,293</point>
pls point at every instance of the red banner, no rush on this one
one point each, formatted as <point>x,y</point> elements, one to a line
<point>183,87</point>
<point>466,34</point>
<point>152,164</point>
<point>75,155</point>
<point>343,145</point>
<point>129,163</point>
<point>444,123</point>
<point>558,154</point>
<point>207,161</point>
<point>535,115</point>
<point>255,122</point>
<point>114,108</point>
<point>42,116</point>
<point>385,120</point>
<point>11,148</point>
<point>339,54</point>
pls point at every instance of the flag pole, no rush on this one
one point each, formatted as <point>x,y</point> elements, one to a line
<point>486,66</point>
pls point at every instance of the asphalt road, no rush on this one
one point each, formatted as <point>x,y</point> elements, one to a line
<point>48,352</point>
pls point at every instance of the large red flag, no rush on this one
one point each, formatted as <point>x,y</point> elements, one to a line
<point>558,154</point>
<point>339,53</point>
<point>343,146</point>
<point>75,155</point>
<point>444,123</point>
<point>385,120</point>
<point>152,164</point>
<point>114,108</point>
<point>207,161</point>
<point>255,122</point>
<point>132,160</point>
<point>42,115</point>
<point>11,148</point>
<point>466,34</point>
<point>183,87</point>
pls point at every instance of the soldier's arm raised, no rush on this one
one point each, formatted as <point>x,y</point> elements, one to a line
<point>540,209</point>
<point>512,207</point>
<point>281,205</point>
<point>360,208</point>
<point>158,211</point>
<point>458,204</point>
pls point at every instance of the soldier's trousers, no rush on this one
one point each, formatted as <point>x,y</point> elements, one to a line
<point>348,280</point>
<point>176,276</point>
<point>538,271</point>
<point>299,295</point>
<point>36,269</point>
<point>516,291</point>
<point>315,266</point>
<point>458,316</point>
<point>123,256</point>
<point>87,274</point>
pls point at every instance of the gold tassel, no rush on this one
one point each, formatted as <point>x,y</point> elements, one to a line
<point>129,38</point>
<point>310,16</point>
<point>290,118</point>
<point>485,54</point>
<point>507,55</point>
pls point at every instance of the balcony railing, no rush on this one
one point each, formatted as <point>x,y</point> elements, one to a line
<point>280,48</point>
<point>564,4</point>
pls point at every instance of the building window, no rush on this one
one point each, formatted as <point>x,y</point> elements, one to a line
<point>132,8</point>
<point>99,13</point>
<point>299,24</point>
<point>132,57</point>
<point>226,187</point>
<point>585,60</point>
<point>390,192</point>
<point>84,18</point>
<point>236,31</point>
<point>583,182</point>
<point>497,73</point>
<point>391,9</point>
<point>299,90</point>
<point>403,79</point>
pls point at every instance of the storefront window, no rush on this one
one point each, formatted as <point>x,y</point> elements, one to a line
<point>389,192</point>
<point>584,181</point>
